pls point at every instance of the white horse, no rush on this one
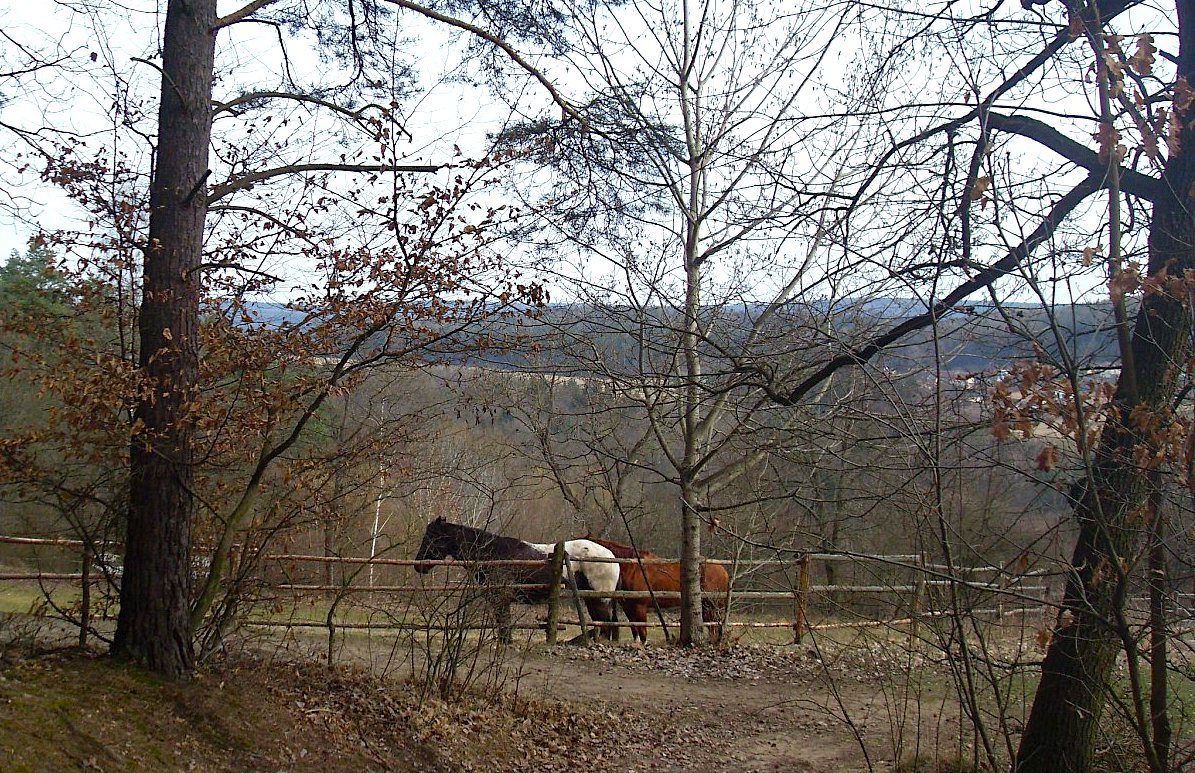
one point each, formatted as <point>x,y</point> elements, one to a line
<point>590,574</point>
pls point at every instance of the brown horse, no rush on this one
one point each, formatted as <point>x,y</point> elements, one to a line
<point>715,581</point>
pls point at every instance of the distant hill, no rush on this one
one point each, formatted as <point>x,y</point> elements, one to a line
<point>273,314</point>
<point>978,337</point>
<point>981,337</point>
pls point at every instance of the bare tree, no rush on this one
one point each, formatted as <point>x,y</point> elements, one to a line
<point>678,190</point>
<point>1153,183</point>
<point>986,148</point>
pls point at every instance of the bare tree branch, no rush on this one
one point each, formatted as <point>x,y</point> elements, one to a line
<point>1131,182</point>
<point>565,106</point>
<point>242,13</point>
<point>249,180</point>
<point>861,354</point>
<point>230,105</point>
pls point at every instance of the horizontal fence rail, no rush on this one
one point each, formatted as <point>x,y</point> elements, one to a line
<point>1004,583</point>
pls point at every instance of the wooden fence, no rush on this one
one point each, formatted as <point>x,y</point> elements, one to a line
<point>1008,591</point>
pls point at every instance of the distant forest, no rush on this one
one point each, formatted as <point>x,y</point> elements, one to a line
<point>976,338</point>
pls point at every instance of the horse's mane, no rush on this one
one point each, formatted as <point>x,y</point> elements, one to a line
<point>494,543</point>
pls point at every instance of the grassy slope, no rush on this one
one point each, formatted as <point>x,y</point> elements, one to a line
<point>83,713</point>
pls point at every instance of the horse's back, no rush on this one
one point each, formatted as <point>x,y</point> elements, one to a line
<point>587,549</point>
<point>601,575</point>
<point>617,548</point>
<point>502,548</point>
<point>662,577</point>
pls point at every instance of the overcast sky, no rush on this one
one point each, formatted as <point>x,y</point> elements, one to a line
<point>96,46</point>
<point>99,66</point>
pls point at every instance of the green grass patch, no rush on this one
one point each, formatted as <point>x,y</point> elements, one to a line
<point>22,597</point>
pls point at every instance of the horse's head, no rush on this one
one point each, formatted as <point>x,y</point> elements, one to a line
<point>438,544</point>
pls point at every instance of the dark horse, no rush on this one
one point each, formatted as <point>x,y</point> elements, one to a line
<point>443,539</point>
<point>715,582</point>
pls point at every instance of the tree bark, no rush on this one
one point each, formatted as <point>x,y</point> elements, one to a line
<point>154,626</point>
<point>1112,507</point>
<point>1159,634</point>
<point>692,629</point>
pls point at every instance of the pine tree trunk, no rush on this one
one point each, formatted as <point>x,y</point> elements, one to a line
<point>154,626</point>
<point>1112,508</point>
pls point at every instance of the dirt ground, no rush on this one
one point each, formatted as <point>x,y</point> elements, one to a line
<point>720,723</point>
<point>853,703</point>
<point>772,708</point>
<point>845,705</point>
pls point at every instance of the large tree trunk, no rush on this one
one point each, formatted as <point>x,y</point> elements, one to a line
<point>1112,507</point>
<point>154,625</point>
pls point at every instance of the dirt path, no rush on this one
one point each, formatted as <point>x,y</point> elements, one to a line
<point>719,724</point>
<point>763,708</point>
<point>744,709</point>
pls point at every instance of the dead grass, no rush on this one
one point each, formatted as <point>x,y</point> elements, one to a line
<point>928,765</point>
<point>79,712</point>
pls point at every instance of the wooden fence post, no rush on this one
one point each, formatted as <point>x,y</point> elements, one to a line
<point>85,601</point>
<point>554,592</point>
<point>800,621</point>
<point>572,584</point>
<point>1016,585</point>
<point>919,591</point>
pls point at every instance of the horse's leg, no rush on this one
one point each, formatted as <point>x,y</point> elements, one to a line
<point>637,613</point>
<point>628,611</point>
<point>599,615</point>
<point>614,629</point>
<point>711,614</point>
<point>603,613</point>
<point>613,581</point>
<point>599,609</point>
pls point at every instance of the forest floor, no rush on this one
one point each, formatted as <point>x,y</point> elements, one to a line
<point>859,703</point>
